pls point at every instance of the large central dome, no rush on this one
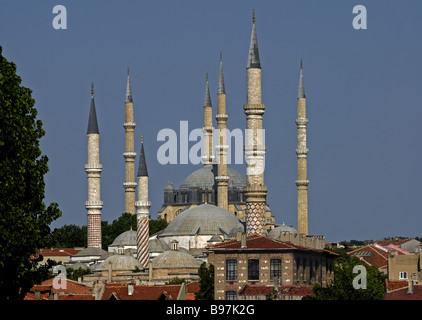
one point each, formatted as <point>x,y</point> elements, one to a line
<point>204,178</point>
<point>204,219</point>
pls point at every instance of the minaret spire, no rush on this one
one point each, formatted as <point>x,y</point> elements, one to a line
<point>222,147</point>
<point>302,181</point>
<point>92,120</point>
<point>93,169</point>
<point>221,87</point>
<point>253,57</point>
<point>142,211</point>
<point>128,89</point>
<point>129,185</point>
<point>208,129</point>
<point>301,90</point>
<point>255,191</point>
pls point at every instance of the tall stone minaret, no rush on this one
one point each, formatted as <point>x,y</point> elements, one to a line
<point>129,154</point>
<point>208,129</point>
<point>302,181</point>
<point>142,211</point>
<point>255,191</point>
<point>93,169</point>
<point>221,117</point>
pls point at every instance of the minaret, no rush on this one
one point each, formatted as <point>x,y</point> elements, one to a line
<point>129,154</point>
<point>208,129</point>
<point>142,211</point>
<point>255,191</point>
<point>221,117</point>
<point>302,181</point>
<point>93,169</point>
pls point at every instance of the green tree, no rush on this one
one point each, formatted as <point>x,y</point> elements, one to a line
<point>206,282</point>
<point>342,287</point>
<point>70,236</point>
<point>24,218</point>
<point>157,225</point>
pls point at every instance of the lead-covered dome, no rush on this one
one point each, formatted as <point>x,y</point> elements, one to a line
<point>127,238</point>
<point>175,259</point>
<point>204,178</point>
<point>204,219</point>
<point>120,262</point>
<point>275,233</point>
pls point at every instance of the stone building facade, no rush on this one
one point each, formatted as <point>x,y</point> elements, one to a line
<point>260,261</point>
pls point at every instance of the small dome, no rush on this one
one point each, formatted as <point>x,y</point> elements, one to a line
<point>175,259</point>
<point>241,226</point>
<point>90,252</point>
<point>120,262</point>
<point>204,219</point>
<point>275,233</point>
<point>204,179</point>
<point>127,238</point>
<point>169,187</point>
<point>158,246</point>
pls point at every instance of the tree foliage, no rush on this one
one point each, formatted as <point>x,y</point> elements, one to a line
<point>342,287</point>
<point>70,236</point>
<point>206,282</point>
<point>24,218</point>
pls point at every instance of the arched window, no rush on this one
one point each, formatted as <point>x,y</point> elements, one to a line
<point>231,269</point>
<point>275,269</point>
<point>253,269</point>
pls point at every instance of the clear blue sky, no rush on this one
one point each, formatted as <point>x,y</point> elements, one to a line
<point>362,88</point>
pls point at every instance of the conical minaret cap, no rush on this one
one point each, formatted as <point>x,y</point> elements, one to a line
<point>301,90</point>
<point>207,102</point>
<point>221,87</point>
<point>128,89</point>
<point>142,168</point>
<point>253,57</point>
<point>92,120</point>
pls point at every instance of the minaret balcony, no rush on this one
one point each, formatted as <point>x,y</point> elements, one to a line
<point>129,185</point>
<point>129,155</point>
<point>93,167</point>
<point>302,151</point>
<point>130,125</point>
<point>93,204</point>
<point>302,183</point>
<point>302,121</point>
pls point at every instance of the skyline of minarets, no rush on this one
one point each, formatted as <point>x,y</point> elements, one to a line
<point>93,169</point>
<point>208,156</point>
<point>129,154</point>
<point>142,211</point>
<point>255,191</point>
<point>222,147</point>
<point>302,181</point>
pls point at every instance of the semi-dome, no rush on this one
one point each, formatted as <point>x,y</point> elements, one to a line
<point>275,233</point>
<point>204,219</point>
<point>158,246</point>
<point>175,259</point>
<point>127,238</point>
<point>204,178</point>
<point>120,262</point>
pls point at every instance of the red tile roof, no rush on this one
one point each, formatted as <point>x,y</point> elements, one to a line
<point>57,252</point>
<point>392,285</point>
<point>46,288</point>
<point>260,243</point>
<point>120,291</point>
<point>401,294</point>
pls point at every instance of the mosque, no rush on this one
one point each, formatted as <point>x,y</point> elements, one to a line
<point>212,205</point>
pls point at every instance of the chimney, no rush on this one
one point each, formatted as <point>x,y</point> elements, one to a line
<point>243,243</point>
<point>37,294</point>
<point>130,289</point>
<point>410,288</point>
